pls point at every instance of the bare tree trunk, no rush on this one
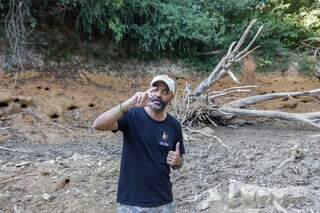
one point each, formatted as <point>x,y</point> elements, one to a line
<point>233,55</point>
<point>17,33</point>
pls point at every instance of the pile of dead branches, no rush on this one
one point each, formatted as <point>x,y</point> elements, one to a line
<point>195,108</point>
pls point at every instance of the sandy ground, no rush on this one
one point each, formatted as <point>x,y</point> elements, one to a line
<point>57,163</point>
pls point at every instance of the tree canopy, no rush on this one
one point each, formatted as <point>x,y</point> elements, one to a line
<point>180,26</point>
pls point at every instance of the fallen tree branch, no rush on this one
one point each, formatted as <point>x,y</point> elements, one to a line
<point>208,135</point>
<point>296,152</point>
<point>278,208</point>
<point>230,91</point>
<point>232,109</point>
<point>260,98</point>
<point>4,128</point>
<point>300,117</point>
<point>214,52</point>
<point>189,137</point>
<point>12,150</point>
<point>18,178</point>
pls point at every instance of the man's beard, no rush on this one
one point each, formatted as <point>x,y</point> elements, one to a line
<point>157,104</point>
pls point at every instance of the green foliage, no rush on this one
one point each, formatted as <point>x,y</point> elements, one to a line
<point>173,25</point>
<point>153,25</point>
<point>90,14</point>
<point>306,63</point>
<point>117,28</point>
<point>67,56</point>
<point>311,20</point>
<point>178,29</point>
<point>274,59</point>
<point>286,24</point>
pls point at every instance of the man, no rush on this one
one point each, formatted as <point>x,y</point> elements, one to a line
<point>152,143</point>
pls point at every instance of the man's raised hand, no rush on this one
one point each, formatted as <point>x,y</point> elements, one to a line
<point>140,99</point>
<point>174,158</point>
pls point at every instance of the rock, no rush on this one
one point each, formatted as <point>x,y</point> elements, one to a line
<point>76,157</point>
<point>234,194</point>
<point>47,197</point>
<point>290,194</point>
<point>213,195</point>
<point>99,164</point>
<point>28,198</point>
<point>234,189</point>
<point>260,197</point>
<point>50,162</point>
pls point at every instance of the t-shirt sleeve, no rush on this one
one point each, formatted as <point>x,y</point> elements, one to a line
<point>180,139</point>
<point>123,122</point>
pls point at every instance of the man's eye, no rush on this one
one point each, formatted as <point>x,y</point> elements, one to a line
<point>166,92</point>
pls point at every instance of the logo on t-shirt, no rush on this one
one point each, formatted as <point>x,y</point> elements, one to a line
<point>164,140</point>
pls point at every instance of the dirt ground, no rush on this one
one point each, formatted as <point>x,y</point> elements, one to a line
<point>51,160</point>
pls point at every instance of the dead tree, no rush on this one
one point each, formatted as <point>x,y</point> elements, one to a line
<point>200,106</point>
<point>314,45</point>
<point>17,34</point>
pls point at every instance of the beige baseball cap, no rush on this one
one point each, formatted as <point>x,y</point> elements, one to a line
<point>167,80</point>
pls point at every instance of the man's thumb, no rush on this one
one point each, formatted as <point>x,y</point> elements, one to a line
<point>178,148</point>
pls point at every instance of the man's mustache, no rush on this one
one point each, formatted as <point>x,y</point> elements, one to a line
<point>154,98</point>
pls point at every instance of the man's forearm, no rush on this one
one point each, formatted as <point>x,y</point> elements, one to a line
<point>107,120</point>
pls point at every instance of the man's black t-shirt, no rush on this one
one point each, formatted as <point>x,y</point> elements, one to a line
<point>144,173</point>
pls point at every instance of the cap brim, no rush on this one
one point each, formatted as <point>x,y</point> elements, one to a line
<point>160,80</point>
